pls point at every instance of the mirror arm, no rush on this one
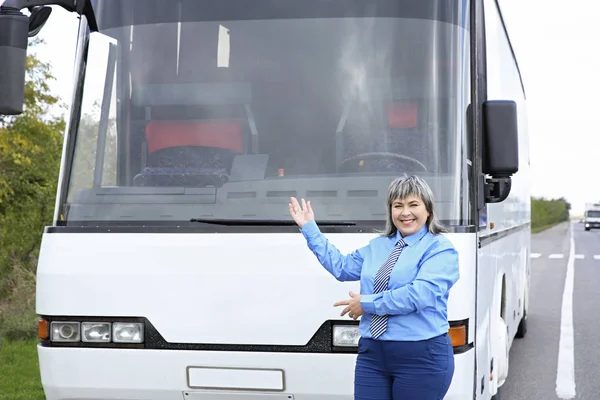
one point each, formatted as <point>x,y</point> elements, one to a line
<point>69,5</point>
<point>81,7</point>
<point>497,189</point>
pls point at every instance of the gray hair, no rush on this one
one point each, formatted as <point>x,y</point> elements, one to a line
<point>405,186</point>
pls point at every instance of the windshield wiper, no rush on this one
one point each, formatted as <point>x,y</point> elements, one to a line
<point>265,222</point>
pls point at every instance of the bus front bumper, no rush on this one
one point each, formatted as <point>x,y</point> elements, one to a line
<point>128,374</point>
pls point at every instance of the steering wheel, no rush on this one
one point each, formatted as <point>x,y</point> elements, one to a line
<point>379,155</point>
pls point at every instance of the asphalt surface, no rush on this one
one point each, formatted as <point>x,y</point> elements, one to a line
<point>533,361</point>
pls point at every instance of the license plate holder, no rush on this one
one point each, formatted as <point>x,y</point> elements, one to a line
<point>231,378</point>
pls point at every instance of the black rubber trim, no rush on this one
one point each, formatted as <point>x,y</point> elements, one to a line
<point>321,342</point>
<point>463,349</point>
<point>478,96</point>
<point>484,240</point>
<point>460,322</point>
<point>468,346</point>
<point>187,227</point>
<point>71,134</point>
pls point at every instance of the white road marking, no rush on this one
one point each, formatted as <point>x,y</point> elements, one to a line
<point>535,255</point>
<point>565,373</point>
<point>596,257</point>
<point>579,256</point>
<point>556,256</point>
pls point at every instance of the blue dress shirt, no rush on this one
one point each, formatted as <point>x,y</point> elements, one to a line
<point>417,296</point>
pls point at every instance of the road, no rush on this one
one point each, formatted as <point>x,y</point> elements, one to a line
<point>534,360</point>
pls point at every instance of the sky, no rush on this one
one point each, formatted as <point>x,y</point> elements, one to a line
<point>555,46</point>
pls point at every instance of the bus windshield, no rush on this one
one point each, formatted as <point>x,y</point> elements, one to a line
<point>193,109</point>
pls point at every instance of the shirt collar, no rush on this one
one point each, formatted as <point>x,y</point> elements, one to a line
<point>411,240</point>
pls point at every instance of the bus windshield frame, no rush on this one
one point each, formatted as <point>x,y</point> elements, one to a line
<point>197,109</point>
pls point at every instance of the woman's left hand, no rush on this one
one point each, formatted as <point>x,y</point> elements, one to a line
<point>353,309</point>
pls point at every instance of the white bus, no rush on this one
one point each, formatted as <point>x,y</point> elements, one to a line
<point>172,269</point>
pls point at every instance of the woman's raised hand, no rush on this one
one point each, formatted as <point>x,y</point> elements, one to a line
<point>301,214</point>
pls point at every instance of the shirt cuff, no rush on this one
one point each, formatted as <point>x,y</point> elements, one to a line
<point>367,303</point>
<point>310,229</point>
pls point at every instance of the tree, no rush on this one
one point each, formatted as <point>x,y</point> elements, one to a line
<point>30,150</point>
<point>546,213</point>
<point>567,204</point>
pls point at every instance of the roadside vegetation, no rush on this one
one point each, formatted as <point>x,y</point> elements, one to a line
<point>30,149</point>
<point>545,213</point>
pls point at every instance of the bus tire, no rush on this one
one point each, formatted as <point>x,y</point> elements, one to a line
<point>522,329</point>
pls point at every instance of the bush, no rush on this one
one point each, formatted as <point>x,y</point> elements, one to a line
<point>547,213</point>
<point>17,310</point>
<point>30,150</point>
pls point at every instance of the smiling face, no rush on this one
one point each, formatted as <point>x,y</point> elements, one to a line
<point>409,214</point>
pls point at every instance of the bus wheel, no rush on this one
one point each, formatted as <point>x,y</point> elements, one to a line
<point>522,329</point>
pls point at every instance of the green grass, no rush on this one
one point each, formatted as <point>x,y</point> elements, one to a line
<point>539,229</point>
<point>19,371</point>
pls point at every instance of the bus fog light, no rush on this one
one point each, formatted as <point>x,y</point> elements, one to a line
<point>95,332</point>
<point>128,332</point>
<point>64,331</point>
<point>345,335</point>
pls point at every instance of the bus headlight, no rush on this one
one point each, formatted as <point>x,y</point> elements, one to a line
<point>63,331</point>
<point>96,332</point>
<point>345,335</point>
<point>128,332</point>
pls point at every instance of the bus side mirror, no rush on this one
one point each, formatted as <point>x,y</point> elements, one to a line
<point>15,29</point>
<point>500,147</point>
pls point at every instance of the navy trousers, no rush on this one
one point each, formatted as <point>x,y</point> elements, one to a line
<point>399,370</point>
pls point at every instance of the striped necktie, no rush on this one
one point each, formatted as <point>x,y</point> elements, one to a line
<point>379,322</point>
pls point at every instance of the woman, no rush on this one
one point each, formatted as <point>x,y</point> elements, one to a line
<point>405,274</point>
